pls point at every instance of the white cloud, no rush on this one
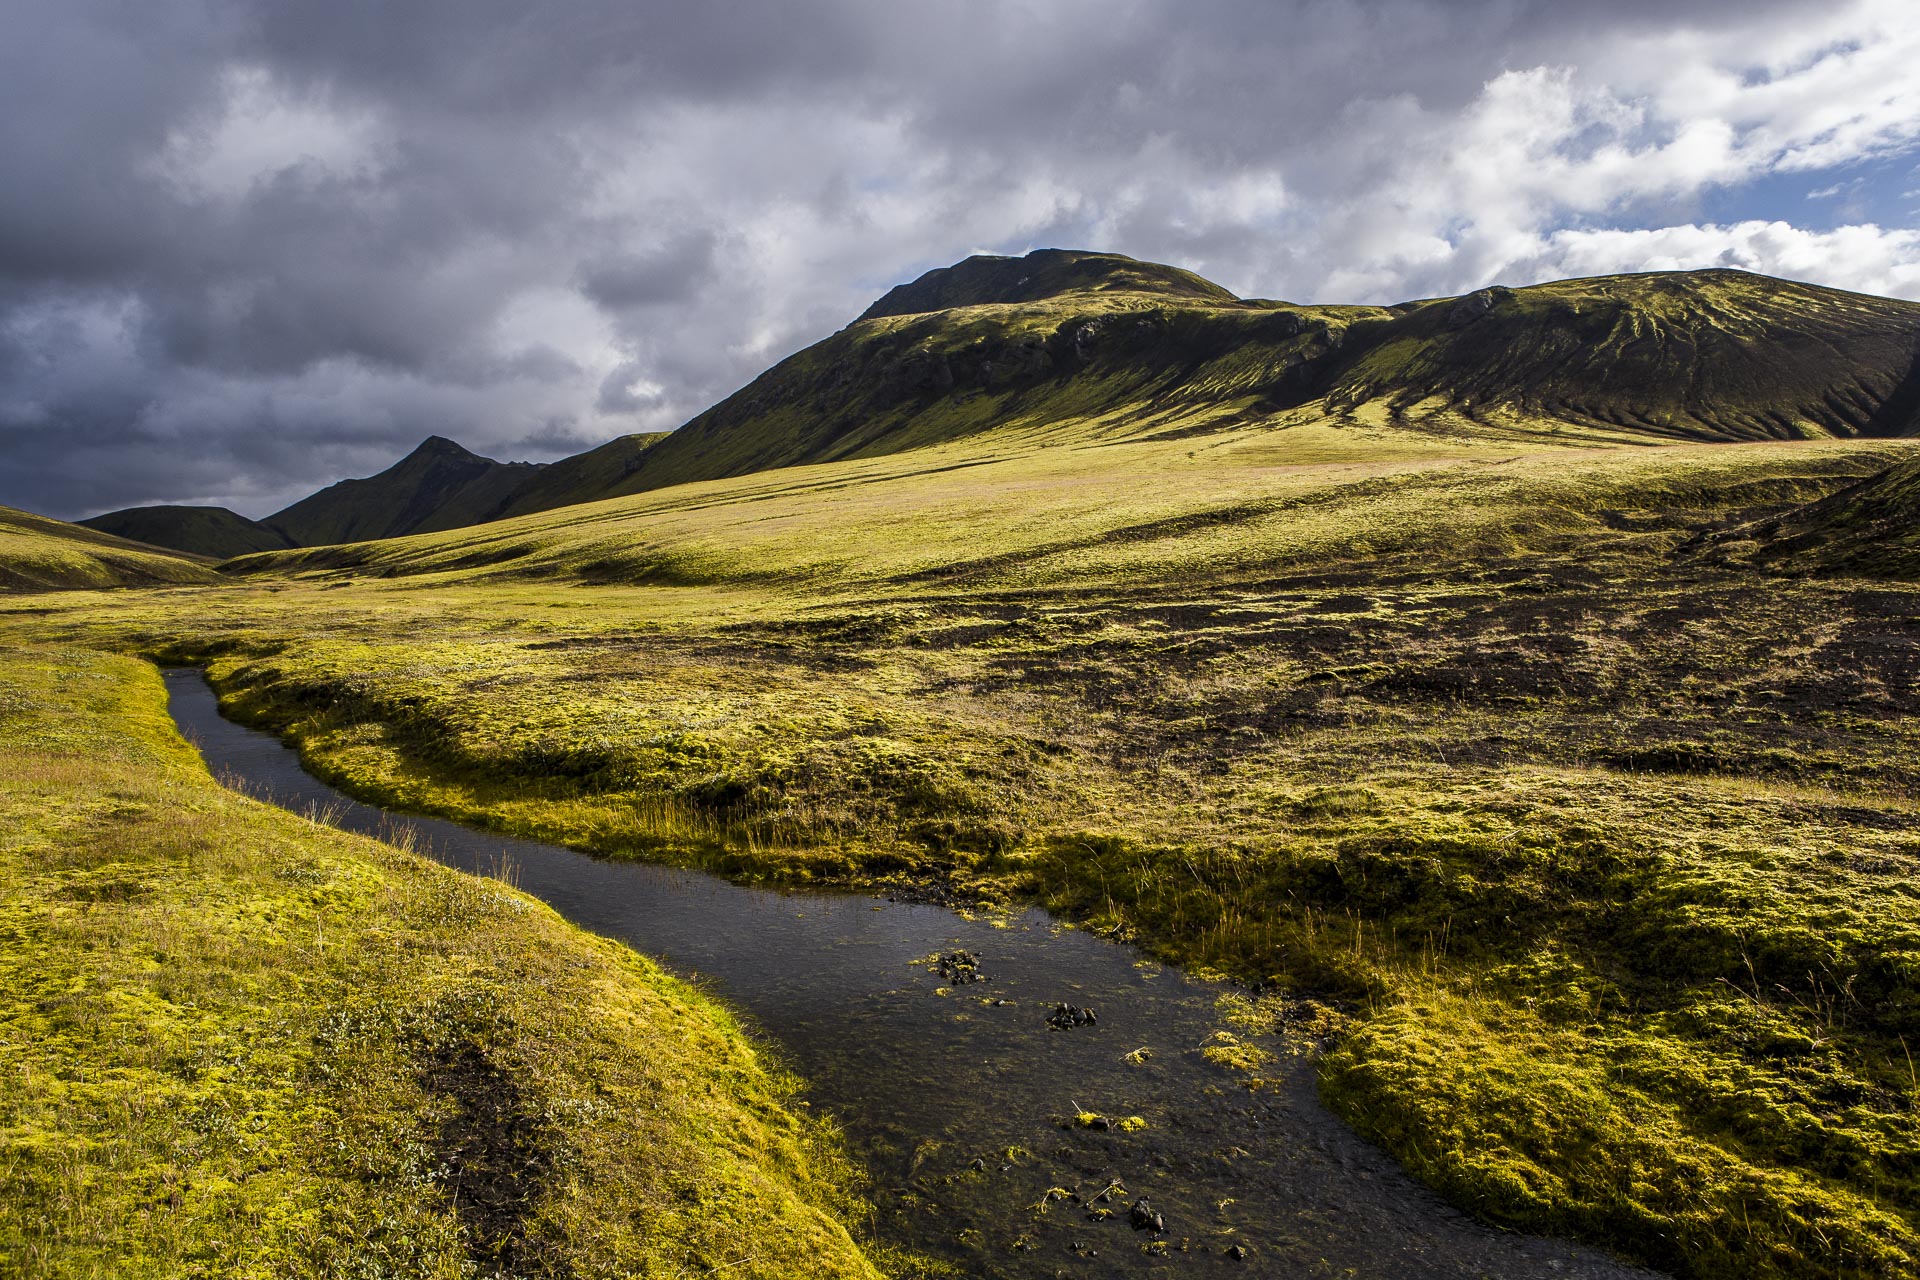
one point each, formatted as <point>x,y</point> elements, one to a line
<point>359,224</point>
<point>1447,199</point>
<point>1866,259</point>
<point>263,129</point>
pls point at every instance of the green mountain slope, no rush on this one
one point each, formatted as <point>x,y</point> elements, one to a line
<point>1062,347</point>
<point>584,477</point>
<point>39,554</point>
<point>1065,347</point>
<point>200,531</point>
<point>1698,355</point>
<point>438,486</point>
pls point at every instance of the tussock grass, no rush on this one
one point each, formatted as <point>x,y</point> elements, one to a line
<point>239,1043</point>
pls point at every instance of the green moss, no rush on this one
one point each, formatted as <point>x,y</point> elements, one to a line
<point>38,554</point>
<point>239,1043</point>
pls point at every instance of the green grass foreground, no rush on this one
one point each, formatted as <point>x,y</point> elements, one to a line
<point>1567,797</point>
<point>235,1042</point>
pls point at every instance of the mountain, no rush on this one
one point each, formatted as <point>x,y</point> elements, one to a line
<point>597,473</point>
<point>1064,346</point>
<point>438,486</point>
<point>1070,347</point>
<point>1045,273</point>
<point>1696,355</point>
<point>202,531</point>
<point>39,554</point>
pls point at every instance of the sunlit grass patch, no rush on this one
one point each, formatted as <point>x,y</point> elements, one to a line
<point>241,1043</point>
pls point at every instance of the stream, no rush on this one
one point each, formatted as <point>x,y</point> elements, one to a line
<point>935,1082</point>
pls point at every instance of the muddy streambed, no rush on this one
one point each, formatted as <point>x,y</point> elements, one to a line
<point>954,1093</point>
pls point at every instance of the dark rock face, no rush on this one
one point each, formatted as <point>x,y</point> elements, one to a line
<point>1466,310</point>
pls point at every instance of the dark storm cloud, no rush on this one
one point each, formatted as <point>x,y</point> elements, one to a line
<point>670,273</point>
<point>247,247</point>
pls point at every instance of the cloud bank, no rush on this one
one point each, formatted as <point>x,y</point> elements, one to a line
<point>247,247</point>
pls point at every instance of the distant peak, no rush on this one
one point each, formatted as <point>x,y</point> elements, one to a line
<point>440,446</point>
<point>1045,273</point>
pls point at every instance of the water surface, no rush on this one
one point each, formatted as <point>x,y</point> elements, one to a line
<point>936,1084</point>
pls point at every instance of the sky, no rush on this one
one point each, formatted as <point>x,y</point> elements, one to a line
<point>249,247</point>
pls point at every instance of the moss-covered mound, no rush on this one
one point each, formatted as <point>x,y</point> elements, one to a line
<point>238,1043</point>
<point>199,531</point>
<point>39,554</point>
<point>1689,355</point>
<point>1871,528</point>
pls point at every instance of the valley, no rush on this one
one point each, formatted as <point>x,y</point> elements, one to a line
<point>1533,747</point>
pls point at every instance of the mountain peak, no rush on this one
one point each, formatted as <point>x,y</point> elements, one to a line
<point>440,485</point>
<point>441,447</point>
<point>1044,273</point>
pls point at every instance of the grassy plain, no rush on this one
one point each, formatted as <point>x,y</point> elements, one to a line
<point>235,1042</point>
<point>1599,842</point>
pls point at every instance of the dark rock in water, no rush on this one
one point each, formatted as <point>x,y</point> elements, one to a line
<point>1067,1016</point>
<point>959,968</point>
<point>1143,1217</point>
<point>1237,1252</point>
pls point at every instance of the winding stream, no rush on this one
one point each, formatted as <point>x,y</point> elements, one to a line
<point>929,1079</point>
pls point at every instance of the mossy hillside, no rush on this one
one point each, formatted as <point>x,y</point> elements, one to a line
<point>999,355</point>
<point>1235,506</point>
<point>1698,355</point>
<point>200,531</point>
<point>1870,528</point>
<point>440,485</point>
<point>39,554</point>
<point>582,477</point>
<point>1091,347</point>
<point>239,1043</point>
<point>1476,748</point>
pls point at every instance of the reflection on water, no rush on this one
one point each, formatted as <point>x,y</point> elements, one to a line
<point>953,1093</point>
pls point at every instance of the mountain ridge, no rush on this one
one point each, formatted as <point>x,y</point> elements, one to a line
<point>1044,273</point>
<point>1064,345</point>
<point>1652,357</point>
<point>440,485</point>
